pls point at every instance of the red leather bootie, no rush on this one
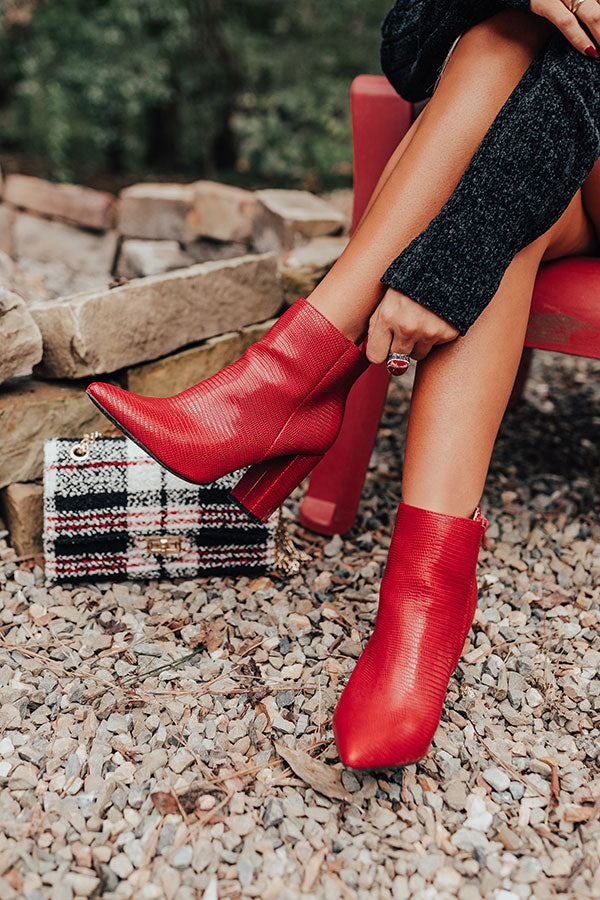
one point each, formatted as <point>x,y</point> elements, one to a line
<point>277,409</point>
<point>391,706</point>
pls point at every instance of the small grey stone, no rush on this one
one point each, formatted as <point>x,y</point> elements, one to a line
<point>285,698</point>
<point>302,723</point>
<point>282,724</point>
<point>166,837</point>
<point>245,871</point>
<point>497,778</point>
<point>109,878</point>
<point>428,865</point>
<point>210,730</point>
<point>181,760</point>
<point>350,781</point>
<point>119,799</point>
<point>121,865</point>
<point>516,789</point>
<point>349,877</point>
<point>334,546</point>
<point>136,853</point>
<point>62,891</point>
<point>24,578</point>
<point>455,795</point>
<point>273,813</point>
<point>137,795</point>
<point>182,857</point>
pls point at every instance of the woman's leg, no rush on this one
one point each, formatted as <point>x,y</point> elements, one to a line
<point>391,705</point>
<point>462,388</point>
<point>484,68</point>
<point>590,195</point>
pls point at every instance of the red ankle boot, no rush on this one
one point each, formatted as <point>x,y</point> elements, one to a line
<point>391,706</point>
<point>277,409</point>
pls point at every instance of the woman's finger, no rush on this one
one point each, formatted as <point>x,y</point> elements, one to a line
<point>378,340</point>
<point>421,349</point>
<point>589,13</point>
<point>566,22</point>
<point>401,343</point>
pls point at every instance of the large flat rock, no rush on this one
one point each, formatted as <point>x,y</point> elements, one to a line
<point>139,258</point>
<point>22,506</point>
<point>46,241</point>
<point>92,333</point>
<point>28,287</point>
<point>20,337</point>
<point>287,218</point>
<point>72,202</point>
<point>158,210</point>
<point>222,211</point>
<point>30,412</point>
<point>171,374</point>
<point>66,258</point>
<point>182,212</point>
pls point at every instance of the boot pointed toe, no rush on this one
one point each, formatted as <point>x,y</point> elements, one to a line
<point>104,395</point>
<point>391,706</point>
<point>353,744</point>
<point>371,734</point>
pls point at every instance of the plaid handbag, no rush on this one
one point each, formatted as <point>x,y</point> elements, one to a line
<point>113,512</point>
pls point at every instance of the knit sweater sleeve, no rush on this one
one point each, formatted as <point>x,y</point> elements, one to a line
<point>535,155</point>
<point>417,35</point>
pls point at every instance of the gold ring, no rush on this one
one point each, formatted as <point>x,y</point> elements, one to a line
<point>574,5</point>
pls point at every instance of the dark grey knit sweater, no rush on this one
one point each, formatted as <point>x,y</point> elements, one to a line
<point>536,154</point>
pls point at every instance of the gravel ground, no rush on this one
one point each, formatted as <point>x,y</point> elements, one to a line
<point>173,739</point>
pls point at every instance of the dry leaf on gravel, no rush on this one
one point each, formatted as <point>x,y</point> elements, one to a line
<point>321,777</point>
<point>189,801</point>
<point>551,600</point>
<point>261,708</point>
<point>113,626</point>
<point>554,781</point>
<point>209,636</point>
<point>164,802</point>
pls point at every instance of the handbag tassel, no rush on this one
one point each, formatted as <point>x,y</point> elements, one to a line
<point>288,558</point>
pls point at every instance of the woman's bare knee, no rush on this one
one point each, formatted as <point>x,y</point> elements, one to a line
<point>573,234</point>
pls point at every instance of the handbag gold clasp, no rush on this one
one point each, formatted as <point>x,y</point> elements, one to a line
<point>169,543</point>
<point>82,449</point>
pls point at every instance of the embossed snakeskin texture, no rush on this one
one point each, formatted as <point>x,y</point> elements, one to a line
<point>284,396</point>
<point>391,706</point>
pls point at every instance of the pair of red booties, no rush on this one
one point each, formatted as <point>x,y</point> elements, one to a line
<point>277,410</point>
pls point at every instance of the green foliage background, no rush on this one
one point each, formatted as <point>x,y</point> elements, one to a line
<point>253,90</point>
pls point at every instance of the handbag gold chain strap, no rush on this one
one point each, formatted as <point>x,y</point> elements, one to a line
<point>288,558</point>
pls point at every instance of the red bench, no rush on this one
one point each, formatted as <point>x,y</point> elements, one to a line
<point>565,316</point>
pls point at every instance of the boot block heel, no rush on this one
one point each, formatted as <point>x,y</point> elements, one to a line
<point>265,486</point>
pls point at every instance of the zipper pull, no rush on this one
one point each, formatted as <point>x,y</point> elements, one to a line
<point>484,524</point>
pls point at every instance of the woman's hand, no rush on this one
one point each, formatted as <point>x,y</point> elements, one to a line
<point>569,23</point>
<point>410,328</point>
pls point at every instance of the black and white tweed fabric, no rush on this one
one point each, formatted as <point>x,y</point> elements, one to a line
<point>100,512</point>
